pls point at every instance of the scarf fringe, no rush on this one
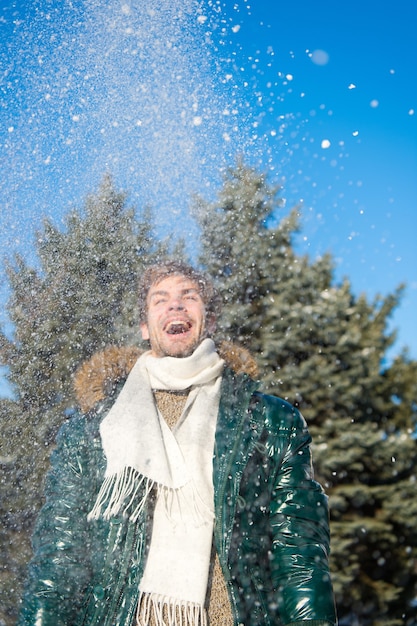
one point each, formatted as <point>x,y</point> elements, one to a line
<point>118,494</point>
<point>161,610</point>
<point>171,497</point>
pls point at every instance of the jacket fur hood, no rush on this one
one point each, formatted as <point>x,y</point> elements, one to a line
<point>96,378</point>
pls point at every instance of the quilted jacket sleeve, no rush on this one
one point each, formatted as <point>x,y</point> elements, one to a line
<point>59,570</point>
<point>300,525</point>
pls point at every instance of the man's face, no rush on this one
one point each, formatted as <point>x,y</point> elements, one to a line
<point>176,317</point>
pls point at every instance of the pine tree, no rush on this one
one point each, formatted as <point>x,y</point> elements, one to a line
<point>14,536</point>
<point>79,299</point>
<point>243,251</point>
<point>324,349</point>
<point>364,456</point>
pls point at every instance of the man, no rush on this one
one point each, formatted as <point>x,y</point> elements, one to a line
<point>181,495</point>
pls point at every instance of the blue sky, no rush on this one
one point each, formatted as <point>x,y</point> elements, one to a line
<point>322,95</point>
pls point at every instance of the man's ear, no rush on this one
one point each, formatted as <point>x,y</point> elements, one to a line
<point>211,325</point>
<point>144,331</point>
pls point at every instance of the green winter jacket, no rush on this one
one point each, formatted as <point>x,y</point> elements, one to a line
<point>271,530</point>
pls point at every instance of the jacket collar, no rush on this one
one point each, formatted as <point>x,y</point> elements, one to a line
<point>97,378</point>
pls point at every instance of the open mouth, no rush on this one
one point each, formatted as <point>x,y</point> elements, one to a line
<point>177,327</point>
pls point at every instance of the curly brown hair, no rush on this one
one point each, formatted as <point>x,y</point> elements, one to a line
<point>154,274</point>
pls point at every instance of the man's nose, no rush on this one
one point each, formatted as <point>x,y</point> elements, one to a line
<point>176,304</point>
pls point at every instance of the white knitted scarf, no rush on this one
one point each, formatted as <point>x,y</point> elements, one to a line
<point>142,451</point>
